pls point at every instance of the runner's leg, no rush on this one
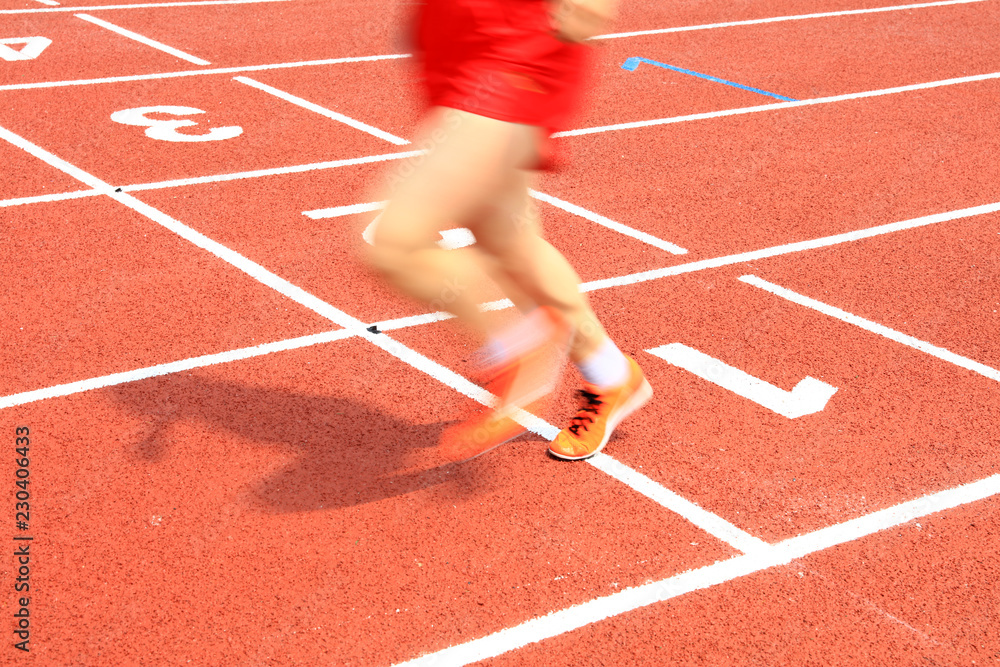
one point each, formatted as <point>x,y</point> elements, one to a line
<point>614,384</point>
<point>468,162</point>
<point>527,267</point>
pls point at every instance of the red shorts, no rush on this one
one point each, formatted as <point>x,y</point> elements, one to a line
<point>500,59</point>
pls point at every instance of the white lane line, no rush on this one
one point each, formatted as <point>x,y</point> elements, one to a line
<point>778,19</point>
<point>569,619</point>
<point>147,5</point>
<point>606,128</point>
<point>177,53</point>
<point>172,367</point>
<point>40,199</point>
<point>413,321</point>
<point>50,3</point>
<point>897,515</point>
<point>610,224</point>
<point>710,523</point>
<point>717,262</point>
<point>305,104</point>
<point>502,304</point>
<point>779,105</point>
<point>277,171</point>
<point>200,72</point>
<point>340,211</point>
<point>873,327</point>
<point>499,304</point>
<point>197,238</point>
<point>800,246</point>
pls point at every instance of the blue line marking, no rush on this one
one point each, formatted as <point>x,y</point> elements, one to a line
<point>632,63</point>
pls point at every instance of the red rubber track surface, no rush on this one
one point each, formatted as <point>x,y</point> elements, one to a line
<point>124,293</point>
<point>27,176</point>
<point>925,593</point>
<point>874,445</point>
<point>872,51</point>
<point>746,182</point>
<point>327,499</point>
<point>227,469</point>
<point>636,16</point>
<point>275,133</point>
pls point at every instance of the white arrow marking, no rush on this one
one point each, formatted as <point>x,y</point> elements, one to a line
<point>33,47</point>
<point>809,396</point>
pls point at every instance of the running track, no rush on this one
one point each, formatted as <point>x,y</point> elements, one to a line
<point>227,467</point>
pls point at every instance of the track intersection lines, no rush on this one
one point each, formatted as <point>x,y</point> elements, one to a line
<point>228,467</point>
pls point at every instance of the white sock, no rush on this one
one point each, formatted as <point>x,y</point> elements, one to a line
<point>527,333</point>
<point>606,367</point>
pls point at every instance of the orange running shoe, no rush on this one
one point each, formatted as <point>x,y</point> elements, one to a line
<point>478,434</point>
<point>522,383</point>
<point>600,413</point>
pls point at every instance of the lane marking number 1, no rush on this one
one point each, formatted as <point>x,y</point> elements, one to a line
<point>33,47</point>
<point>166,130</point>
<point>809,396</point>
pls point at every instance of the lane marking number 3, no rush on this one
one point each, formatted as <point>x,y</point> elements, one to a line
<point>166,130</point>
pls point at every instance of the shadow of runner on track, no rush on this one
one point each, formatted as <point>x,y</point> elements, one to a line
<point>349,453</point>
